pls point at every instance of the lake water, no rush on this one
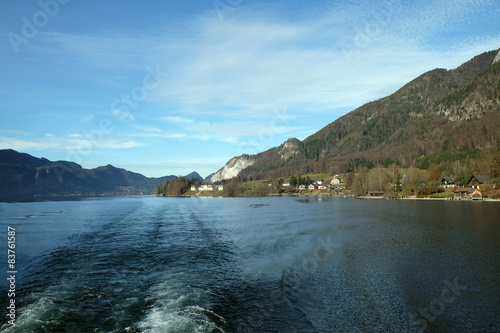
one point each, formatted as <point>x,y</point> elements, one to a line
<point>147,264</point>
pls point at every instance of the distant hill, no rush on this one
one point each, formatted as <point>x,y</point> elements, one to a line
<point>25,178</point>
<point>438,117</point>
<point>209,177</point>
<point>194,175</point>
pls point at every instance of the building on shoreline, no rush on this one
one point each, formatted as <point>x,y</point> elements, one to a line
<point>375,194</point>
<point>207,188</point>
<point>467,193</point>
<point>448,182</point>
<point>477,180</point>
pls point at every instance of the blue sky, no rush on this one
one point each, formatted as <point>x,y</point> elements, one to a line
<point>170,87</point>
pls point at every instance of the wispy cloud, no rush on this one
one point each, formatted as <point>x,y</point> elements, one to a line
<point>123,115</point>
<point>231,131</point>
<point>146,128</point>
<point>13,132</point>
<point>22,145</point>
<point>104,50</point>
<point>179,120</point>
<point>159,135</point>
<point>72,142</point>
<point>87,118</point>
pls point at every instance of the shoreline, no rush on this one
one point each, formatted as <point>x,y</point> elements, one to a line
<point>450,199</point>
<point>324,195</point>
<point>219,194</point>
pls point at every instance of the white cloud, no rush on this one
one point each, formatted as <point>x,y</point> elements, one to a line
<point>72,142</point>
<point>146,128</point>
<point>18,144</point>
<point>87,118</point>
<point>161,135</point>
<point>104,50</point>
<point>232,131</point>
<point>178,120</point>
<point>122,115</point>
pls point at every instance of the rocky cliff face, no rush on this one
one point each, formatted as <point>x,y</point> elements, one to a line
<point>469,109</point>
<point>232,168</point>
<point>289,149</point>
<point>476,99</point>
<point>497,58</point>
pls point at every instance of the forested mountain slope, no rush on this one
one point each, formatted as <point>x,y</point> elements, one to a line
<point>440,116</point>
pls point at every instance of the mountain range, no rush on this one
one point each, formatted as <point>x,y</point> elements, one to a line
<point>439,117</point>
<point>26,178</point>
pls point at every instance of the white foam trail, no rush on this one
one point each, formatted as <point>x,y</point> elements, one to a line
<point>37,314</point>
<point>179,307</point>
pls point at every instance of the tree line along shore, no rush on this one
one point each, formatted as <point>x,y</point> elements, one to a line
<point>385,182</point>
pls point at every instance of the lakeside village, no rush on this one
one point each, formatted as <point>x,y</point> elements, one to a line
<point>370,186</point>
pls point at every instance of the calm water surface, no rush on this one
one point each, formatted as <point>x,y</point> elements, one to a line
<point>146,264</point>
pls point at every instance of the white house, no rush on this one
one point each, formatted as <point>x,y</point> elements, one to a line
<point>317,181</point>
<point>205,187</point>
<point>194,188</point>
<point>447,182</point>
<point>302,187</point>
<point>336,181</point>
